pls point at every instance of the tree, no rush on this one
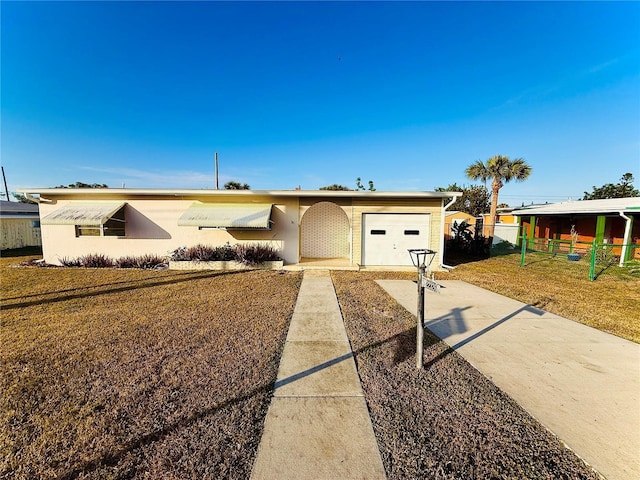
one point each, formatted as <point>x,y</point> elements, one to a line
<point>359,185</point>
<point>474,200</point>
<point>335,187</point>
<point>84,185</point>
<point>622,189</point>
<point>500,170</point>
<point>231,185</point>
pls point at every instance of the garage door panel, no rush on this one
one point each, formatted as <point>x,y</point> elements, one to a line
<point>387,237</point>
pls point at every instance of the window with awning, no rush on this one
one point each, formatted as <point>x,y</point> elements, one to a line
<point>104,219</point>
<point>228,215</point>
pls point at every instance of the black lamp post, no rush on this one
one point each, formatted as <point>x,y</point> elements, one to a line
<point>418,258</point>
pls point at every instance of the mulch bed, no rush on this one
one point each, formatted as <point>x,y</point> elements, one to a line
<point>446,421</point>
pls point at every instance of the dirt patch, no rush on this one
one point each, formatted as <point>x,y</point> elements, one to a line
<point>446,421</point>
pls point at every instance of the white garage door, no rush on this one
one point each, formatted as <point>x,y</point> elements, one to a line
<point>386,237</point>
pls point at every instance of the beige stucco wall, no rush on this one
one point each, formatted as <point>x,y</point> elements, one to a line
<point>152,228</point>
<point>152,223</point>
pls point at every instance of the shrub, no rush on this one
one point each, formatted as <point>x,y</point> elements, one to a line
<point>256,254</point>
<point>147,261</point>
<point>96,260</point>
<point>503,248</point>
<point>70,262</point>
<point>126,262</point>
<point>179,254</point>
<point>245,254</point>
<point>202,253</point>
<point>150,262</point>
<point>225,253</point>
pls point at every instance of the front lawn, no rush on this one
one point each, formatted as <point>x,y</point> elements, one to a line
<point>119,374</point>
<point>609,304</point>
<point>114,374</point>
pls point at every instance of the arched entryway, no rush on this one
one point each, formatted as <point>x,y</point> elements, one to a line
<point>325,232</point>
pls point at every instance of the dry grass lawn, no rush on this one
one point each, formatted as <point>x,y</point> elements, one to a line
<point>609,304</point>
<point>137,374</point>
<point>165,374</point>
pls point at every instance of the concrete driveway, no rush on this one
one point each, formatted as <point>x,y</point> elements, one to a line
<point>581,383</point>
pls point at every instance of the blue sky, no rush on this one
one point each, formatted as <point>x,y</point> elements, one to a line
<point>404,94</point>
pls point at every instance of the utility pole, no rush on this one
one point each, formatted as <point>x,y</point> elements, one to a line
<point>217,188</point>
<point>4,178</point>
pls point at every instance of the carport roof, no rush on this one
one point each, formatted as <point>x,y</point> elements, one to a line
<point>594,207</point>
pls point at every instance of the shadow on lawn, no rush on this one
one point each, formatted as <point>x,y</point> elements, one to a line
<point>95,290</point>
<point>113,458</point>
<point>405,348</point>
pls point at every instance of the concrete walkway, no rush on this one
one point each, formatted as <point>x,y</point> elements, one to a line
<point>318,424</point>
<point>581,383</point>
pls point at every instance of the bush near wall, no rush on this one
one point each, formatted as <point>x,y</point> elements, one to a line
<point>98,260</point>
<point>248,255</point>
<point>244,254</point>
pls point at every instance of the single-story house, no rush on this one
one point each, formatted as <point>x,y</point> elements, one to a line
<point>19,225</point>
<point>612,221</point>
<point>348,228</point>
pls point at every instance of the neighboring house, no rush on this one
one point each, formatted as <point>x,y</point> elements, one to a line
<point>613,221</point>
<point>454,218</point>
<point>506,228</point>
<point>506,224</point>
<point>19,225</point>
<point>352,228</point>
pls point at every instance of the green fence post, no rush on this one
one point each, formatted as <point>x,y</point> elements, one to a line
<point>532,231</point>
<point>524,248</point>
<point>592,266</point>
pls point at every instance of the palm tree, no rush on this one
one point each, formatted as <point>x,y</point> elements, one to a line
<point>500,170</point>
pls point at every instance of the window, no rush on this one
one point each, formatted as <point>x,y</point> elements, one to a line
<point>35,224</point>
<point>88,231</point>
<point>113,227</point>
<point>412,232</point>
<point>378,232</point>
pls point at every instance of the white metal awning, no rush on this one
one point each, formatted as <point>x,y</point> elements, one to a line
<point>84,214</point>
<point>228,215</point>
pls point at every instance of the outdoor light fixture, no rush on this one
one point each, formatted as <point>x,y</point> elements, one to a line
<point>419,260</point>
<point>418,256</point>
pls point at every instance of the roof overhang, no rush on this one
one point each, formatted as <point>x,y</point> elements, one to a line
<point>83,214</point>
<point>609,206</point>
<point>254,216</point>
<point>240,195</point>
